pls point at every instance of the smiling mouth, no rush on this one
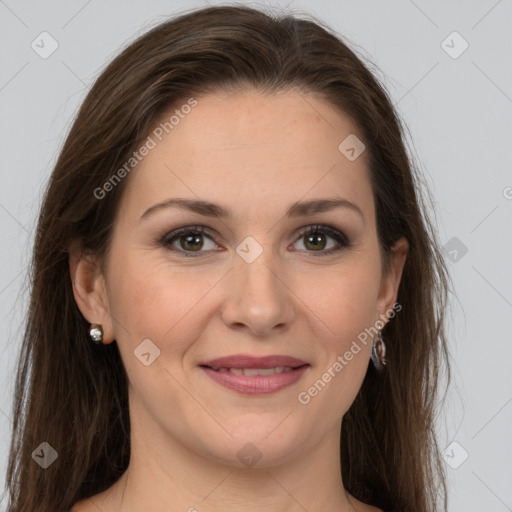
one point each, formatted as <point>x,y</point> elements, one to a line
<point>253,371</point>
<point>255,381</point>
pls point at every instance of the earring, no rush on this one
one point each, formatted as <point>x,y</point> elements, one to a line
<point>96,333</point>
<point>379,352</point>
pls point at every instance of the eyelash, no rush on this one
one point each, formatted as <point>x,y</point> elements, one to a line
<point>338,236</point>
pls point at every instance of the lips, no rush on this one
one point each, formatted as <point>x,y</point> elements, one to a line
<point>256,371</point>
<point>255,375</point>
<point>245,361</point>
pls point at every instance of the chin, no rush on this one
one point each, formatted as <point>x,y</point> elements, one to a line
<point>259,443</point>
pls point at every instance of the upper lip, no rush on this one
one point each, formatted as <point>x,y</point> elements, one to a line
<point>247,361</point>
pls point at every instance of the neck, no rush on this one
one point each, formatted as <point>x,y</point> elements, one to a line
<point>163,475</point>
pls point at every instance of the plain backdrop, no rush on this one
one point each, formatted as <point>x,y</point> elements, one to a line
<point>446,65</point>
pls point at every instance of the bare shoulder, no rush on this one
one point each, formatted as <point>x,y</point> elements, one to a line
<point>105,501</point>
<point>84,505</point>
<point>368,508</point>
<point>359,506</point>
<point>89,505</point>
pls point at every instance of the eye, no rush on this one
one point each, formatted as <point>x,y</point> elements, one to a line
<point>322,239</point>
<point>189,240</point>
<point>193,240</point>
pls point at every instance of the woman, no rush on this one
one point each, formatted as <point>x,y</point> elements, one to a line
<point>237,297</point>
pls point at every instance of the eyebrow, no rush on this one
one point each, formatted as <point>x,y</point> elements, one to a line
<point>298,209</point>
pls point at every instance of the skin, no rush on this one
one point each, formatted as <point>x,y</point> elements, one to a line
<point>255,155</point>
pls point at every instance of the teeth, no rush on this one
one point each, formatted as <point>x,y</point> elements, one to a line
<point>256,371</point>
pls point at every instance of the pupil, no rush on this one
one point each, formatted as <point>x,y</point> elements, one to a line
<point>191,242</point>
<point>316,241</point>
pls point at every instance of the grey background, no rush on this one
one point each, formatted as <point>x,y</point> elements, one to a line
<point>458,111</point>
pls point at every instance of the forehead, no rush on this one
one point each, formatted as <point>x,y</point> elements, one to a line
<point>246,149</point>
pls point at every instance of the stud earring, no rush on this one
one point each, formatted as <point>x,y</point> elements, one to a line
<point>96,333</point>
<point>379,352</point>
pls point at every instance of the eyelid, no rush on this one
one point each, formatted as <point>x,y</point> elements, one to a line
<point>329,230</point>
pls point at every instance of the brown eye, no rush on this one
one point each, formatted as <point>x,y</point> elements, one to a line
<point>323,240</point>
<point>315,241</point>
<point>191,242</point>
<point>187,241</point>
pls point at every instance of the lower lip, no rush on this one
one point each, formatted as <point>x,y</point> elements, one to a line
<point>256,384</point>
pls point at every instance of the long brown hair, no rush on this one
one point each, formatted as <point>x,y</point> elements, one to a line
<point>72,394</point>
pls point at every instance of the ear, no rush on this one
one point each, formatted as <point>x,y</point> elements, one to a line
<point>391,280</point>
<point>89,290</point>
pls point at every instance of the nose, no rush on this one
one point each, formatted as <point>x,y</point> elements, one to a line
<point>257,298</point>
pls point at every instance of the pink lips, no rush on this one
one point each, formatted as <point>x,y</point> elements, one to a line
<point>277,372</point>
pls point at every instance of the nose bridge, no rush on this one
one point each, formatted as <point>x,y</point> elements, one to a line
<point>258,277</point>
<point>257,298</point>
<point>253,262</point>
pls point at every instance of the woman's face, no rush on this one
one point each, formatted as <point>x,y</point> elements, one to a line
<point>245,279</point>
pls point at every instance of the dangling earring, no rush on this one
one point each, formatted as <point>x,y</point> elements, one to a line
<point>96,333</point>
<point>379,352</point>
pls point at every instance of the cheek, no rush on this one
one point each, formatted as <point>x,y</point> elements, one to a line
<point>154,300</point>
<point>343,300</point>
